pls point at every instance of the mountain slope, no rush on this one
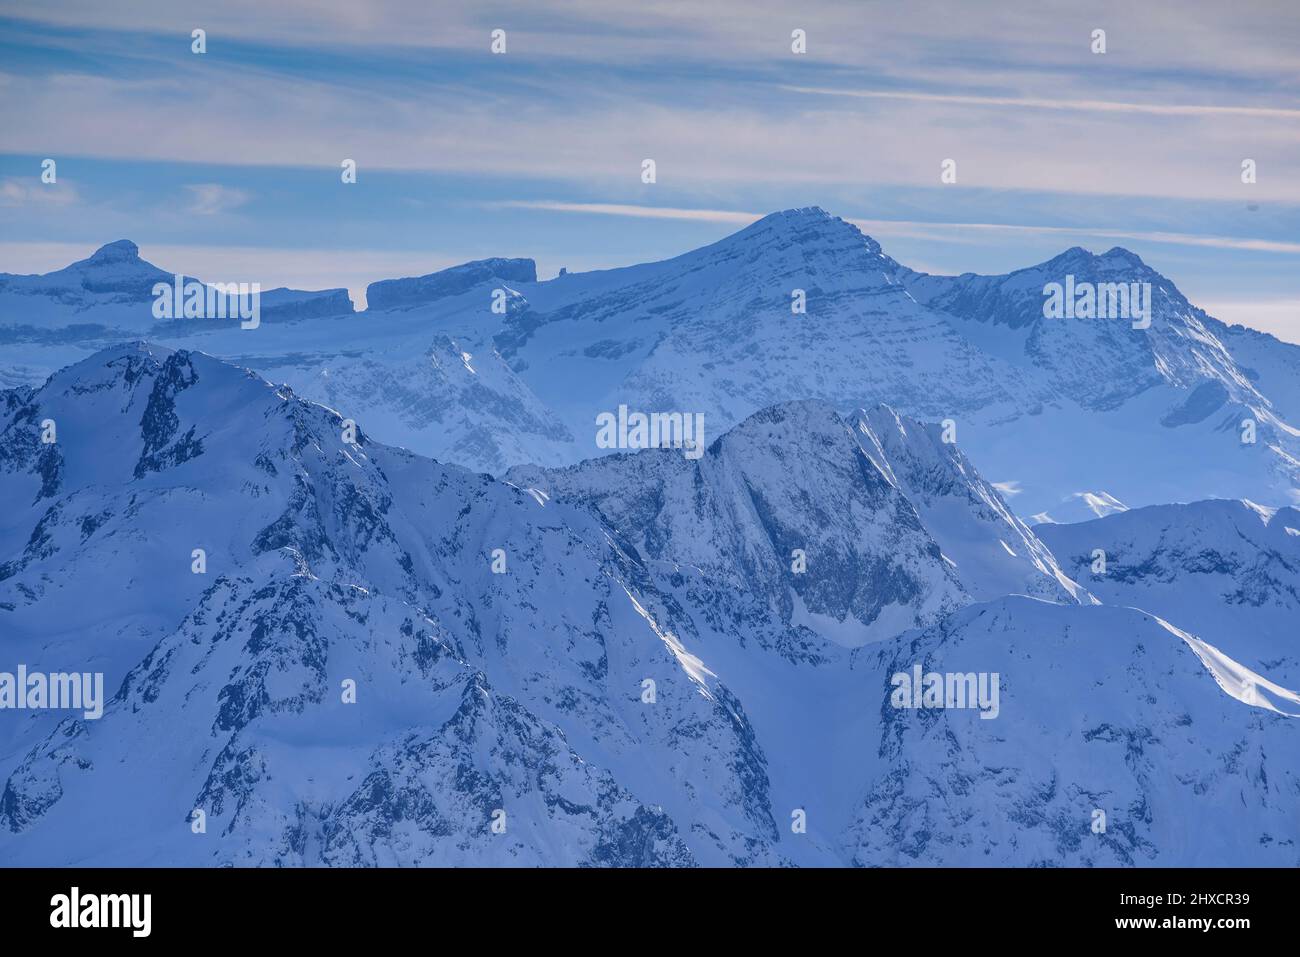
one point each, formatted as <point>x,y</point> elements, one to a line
<point>1101,710</point>
<point>330,559</point>
<point>783,517</point>
<point>794,503</point>
<point>994,552</point>
<point>350,680</point>
<point>1167,404</point>
<point>1228,570</point>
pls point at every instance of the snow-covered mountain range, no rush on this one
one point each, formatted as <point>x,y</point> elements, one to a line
<point>1229,570</point>
<point>340,651</point>
<point>485,366</point>
<point>111,293</point>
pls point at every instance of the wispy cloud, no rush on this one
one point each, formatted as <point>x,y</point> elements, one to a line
<point>212,199</point>
<point>32,192</point>
<point>1090,106</point>
<point>497,127</point>
<point>624,209</point>
<point>912,228</point>
<point>921,32</point>
<point>919,230</point>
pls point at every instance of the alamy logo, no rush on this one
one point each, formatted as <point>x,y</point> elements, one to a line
<point>1103,300</point>
<point>947,690</point>
<point>657,430</point>
<point>57,691</point>
<point>191,299</point>
<point>103,910</point>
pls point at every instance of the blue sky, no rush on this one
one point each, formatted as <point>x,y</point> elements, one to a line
<point>226,164</point>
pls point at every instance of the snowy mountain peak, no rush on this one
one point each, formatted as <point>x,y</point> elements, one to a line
<point>787,485</point>
<point>1081,507</point>
<point>1120,254</point>
<point>807,226</point>
<point>113,288</point>
<point>992,551</point>
<point>107,365</point>
<point>123,250</point>
<point>118,251</point>
<point>801,421</point>
<point>1083,263</point>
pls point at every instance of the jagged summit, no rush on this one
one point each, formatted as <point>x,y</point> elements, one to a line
<point>1075,259</point>
<point>122,250</point>
<point>799,216</point>
<point>806,225</point>
<point>1120,254</point>
<point>993,551</point>
<point>110,355</point>
<point>1078,258</point>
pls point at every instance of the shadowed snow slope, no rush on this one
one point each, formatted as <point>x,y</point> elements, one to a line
<point>1228,571</point>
